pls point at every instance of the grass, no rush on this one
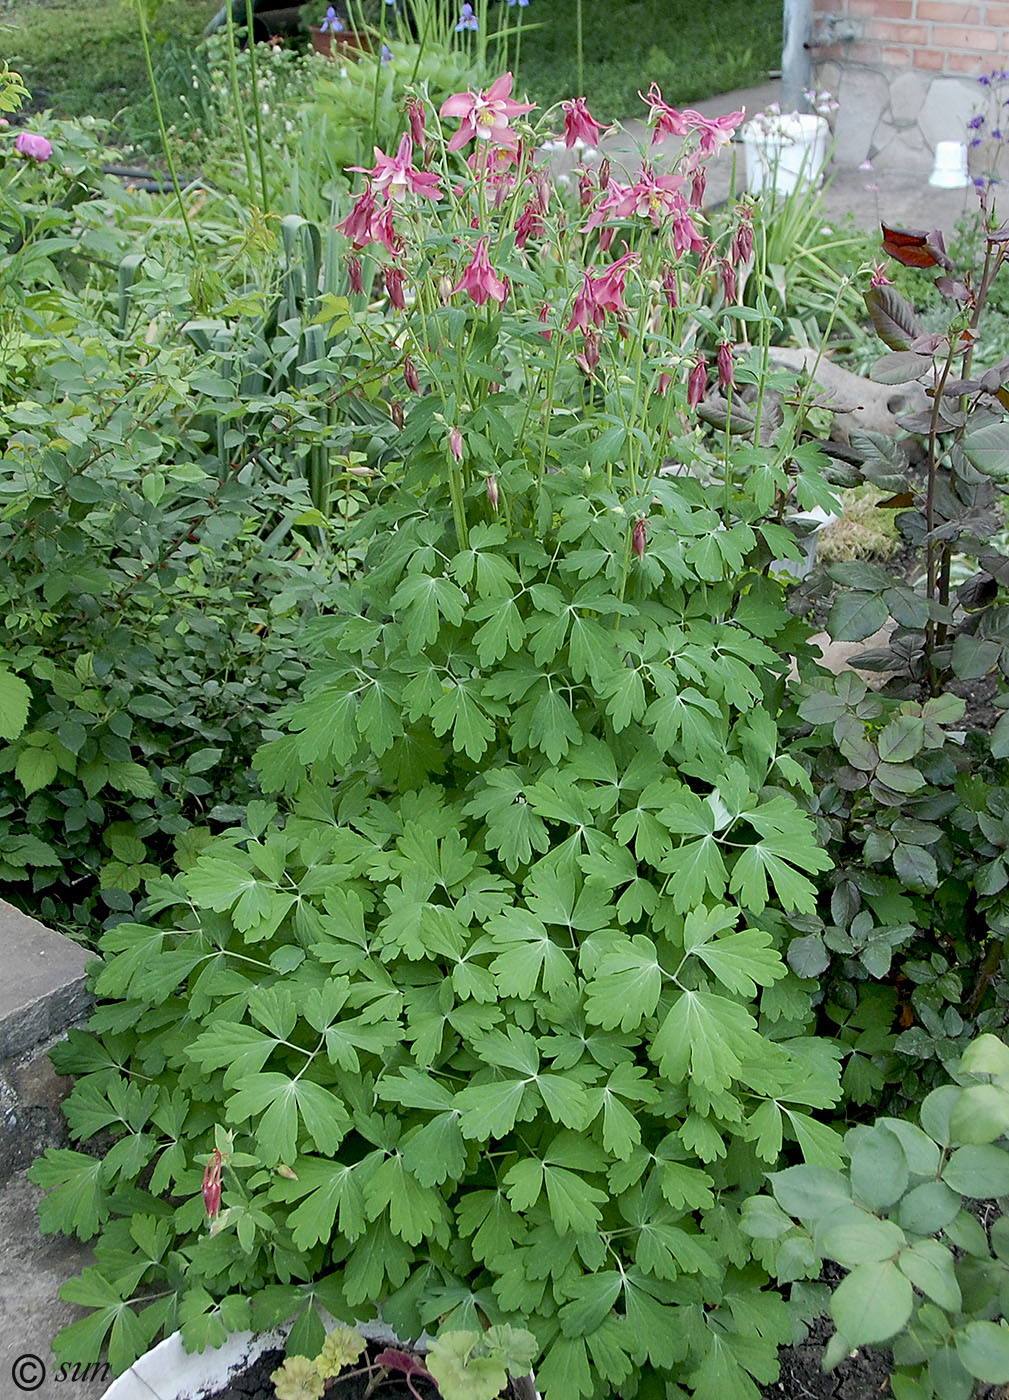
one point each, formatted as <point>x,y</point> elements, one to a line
<point>87,59</point>
<point>692,51</point>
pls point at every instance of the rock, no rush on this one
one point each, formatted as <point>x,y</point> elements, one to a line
<point>862,406</point>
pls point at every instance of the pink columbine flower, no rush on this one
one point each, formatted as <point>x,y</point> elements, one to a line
<point>879,277</point>
<point>544,318</point>
<point>666,120</point>
<point>485,115</point>
<point>686,238</point>
<point>26,143</point>
<point>212,1184</point>
<point>479,278</point>
<point>697,384</point>
<point>358,223</point>
<point>639,536</point>
<point>728,274</point>
<point>610,285</point>
<point>396,176</point>
<point>726,377</point>
<point>580,124</point>
<point>382,231</point>
<point>662,388</point>
<point>715,132</point>
<point>653,196</point>
<point>455,444</point>
<point>354,275</point>
<point>697,187</point>
<point>529,224</point>
<point>586,311</point>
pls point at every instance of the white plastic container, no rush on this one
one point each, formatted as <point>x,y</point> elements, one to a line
<point>950,169</point>
<point>784,151</point>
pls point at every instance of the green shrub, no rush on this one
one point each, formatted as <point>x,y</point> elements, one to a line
<point>925,1276</point>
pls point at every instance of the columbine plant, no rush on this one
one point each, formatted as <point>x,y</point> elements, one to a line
<point>492,996</point>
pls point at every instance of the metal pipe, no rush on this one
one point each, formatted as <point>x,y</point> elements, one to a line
<point>796,62</point>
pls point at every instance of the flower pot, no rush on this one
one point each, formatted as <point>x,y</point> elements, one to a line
<point>785,151</point>
<point>169,1372</point>
<point>346,44</point>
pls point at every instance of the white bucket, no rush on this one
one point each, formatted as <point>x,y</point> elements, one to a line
<point>785,151</point>
<point>950,169</point>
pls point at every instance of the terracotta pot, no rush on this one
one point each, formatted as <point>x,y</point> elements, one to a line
<point>347,44</point>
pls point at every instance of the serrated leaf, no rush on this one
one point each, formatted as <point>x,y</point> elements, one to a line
<point>15,700</point>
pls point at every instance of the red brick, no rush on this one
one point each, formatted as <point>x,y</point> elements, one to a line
<point>896,32</point>
<point>948,13</point>
<point>860,53</point>
<point>933,59</point>
<point>996,16</point>
<point>965,63</point>
<point>884,9</point>
<point>980,40</point>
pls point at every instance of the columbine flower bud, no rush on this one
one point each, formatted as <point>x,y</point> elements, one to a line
<point>728,273</point>
<point>492,491</point>
<point>726,377</point>
<point>662,388</point>
<point>212,1185</point>
<point>455,444</point>
<point>586,189</point>
<point>396,413</point>
<point>604,174</point>
<point>354,275</point>
<point>697,187</point>
<point>742,240</point>
<point>606,237</point>
<point>410,375</point>
<point>639,536</point>
<point>544,318</point>
<point>697,384</point>
<point>394,286</point>
<point>670,288</point>
<point>444,289</point>
<point>288,1173</point>
<point>589,358</point>
<point>415,113</point>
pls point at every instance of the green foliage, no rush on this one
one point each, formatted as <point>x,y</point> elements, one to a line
<point>486,1013</point>
<point>159,550</point>
<point>924,1275</point>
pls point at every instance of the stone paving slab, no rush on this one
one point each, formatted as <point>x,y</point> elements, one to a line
<point>32,1267</point>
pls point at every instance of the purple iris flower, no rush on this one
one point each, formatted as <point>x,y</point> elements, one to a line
<point>467,19</point>
<point>331,22</point>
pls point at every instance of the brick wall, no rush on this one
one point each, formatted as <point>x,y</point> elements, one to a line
<point>933,36</point>
<point>905,72</point>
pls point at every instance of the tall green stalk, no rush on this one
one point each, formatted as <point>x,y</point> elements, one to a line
<point>236,95</point>
<point>579,48</point>
<point>162,130</point>
<point>257,114</point>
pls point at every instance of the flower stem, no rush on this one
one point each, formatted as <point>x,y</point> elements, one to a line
<point>162,131</point>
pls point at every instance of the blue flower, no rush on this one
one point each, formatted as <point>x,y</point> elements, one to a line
<point>331,22</point>
<point>467,19</point>
<point>521,3</point>
<point>975,123</point>
<point>386,55</point>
